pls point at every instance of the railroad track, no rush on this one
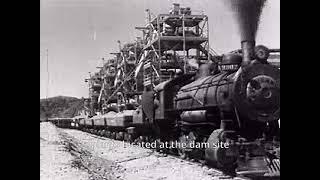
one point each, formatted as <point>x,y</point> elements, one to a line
<point>192,161</point>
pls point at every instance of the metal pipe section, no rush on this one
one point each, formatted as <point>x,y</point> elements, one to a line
<point>247,47</point>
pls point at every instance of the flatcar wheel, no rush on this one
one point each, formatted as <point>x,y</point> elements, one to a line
<point>202,161</point>
<point>102,133</point>
<point>108,134</point>
<point>117,136</point>
<point>113,135</point>
<point>158,142</point>
<point>125,136</point>
<point>139,139</point>
<point>120,136</point>
<point>130,138</point>
<point>182,153</point>
<point>148,139</point>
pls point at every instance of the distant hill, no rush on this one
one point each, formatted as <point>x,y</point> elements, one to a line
<point>274,59</point>
<point>60,106</point>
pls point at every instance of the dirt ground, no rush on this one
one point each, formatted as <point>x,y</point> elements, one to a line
<point>56,163</point>
<point>72,154</point>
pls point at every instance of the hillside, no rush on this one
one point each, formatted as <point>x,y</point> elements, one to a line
<point>60,106</point>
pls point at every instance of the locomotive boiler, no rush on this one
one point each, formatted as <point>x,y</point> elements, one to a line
<point>238,105</point>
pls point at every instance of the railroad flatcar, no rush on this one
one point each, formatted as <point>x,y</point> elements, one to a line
<point>62,122</point>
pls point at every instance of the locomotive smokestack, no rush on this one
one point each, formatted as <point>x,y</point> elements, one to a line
<point>247,13</point>
<point>247,47</point>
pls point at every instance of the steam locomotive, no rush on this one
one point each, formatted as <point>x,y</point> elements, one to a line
<point>234,100</point>
<point>238,104</point>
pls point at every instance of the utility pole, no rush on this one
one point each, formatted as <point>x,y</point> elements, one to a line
<point>47,89</point>
<point>48,78</point>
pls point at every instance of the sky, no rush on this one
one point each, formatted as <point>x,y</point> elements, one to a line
<point>77,34</point>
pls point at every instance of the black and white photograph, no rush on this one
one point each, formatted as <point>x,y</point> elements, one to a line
<point>159,89</point>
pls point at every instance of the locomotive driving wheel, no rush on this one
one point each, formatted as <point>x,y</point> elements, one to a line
<point>218,156</point>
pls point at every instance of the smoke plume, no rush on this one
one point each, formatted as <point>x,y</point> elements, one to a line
<point>247,14</point>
